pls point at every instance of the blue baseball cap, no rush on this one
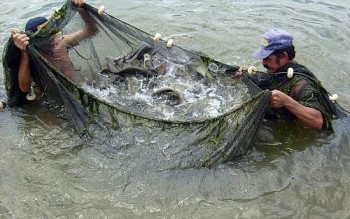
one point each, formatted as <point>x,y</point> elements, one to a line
<point>33,23</point>
<point>273,40</point>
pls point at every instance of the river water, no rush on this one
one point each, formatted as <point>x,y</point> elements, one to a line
<point>46,171</point>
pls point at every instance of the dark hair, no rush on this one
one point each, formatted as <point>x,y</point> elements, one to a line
<point>289,50</point>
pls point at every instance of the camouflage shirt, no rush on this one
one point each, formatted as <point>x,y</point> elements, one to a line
<point>302,87</point>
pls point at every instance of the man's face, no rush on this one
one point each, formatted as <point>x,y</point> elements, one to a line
<point>272,63</point>
<point>40,26</point>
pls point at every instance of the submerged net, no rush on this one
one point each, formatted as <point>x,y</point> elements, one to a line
<point>119,77</point>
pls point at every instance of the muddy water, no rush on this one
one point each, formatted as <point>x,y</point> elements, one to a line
<point>46,171</point>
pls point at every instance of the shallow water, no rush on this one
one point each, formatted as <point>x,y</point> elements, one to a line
<point>46,171</point>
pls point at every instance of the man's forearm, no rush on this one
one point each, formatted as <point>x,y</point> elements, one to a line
<point>90,24</point>
<point>309,116</point>
<point>90,29</point>
<point>24,78</point>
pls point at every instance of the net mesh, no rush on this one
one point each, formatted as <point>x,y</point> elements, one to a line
<point>111,75</point>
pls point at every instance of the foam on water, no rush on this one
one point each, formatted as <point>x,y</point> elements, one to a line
<point>186,89</point>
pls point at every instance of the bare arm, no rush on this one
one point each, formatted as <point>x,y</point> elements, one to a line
<point>24,77</point>
<point>307,115</point>
<point>90,28</point>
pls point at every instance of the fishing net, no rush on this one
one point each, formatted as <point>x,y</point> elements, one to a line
<point>116,76</point>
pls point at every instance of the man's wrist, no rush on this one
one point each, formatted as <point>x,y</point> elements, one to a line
<point>24,54</point>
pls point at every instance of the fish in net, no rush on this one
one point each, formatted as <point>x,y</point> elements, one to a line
<point>180,102</point>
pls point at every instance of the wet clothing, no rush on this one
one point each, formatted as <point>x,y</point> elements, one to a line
<point>302,87</point>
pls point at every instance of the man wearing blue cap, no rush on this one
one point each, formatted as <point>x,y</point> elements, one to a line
<point>60,44</point>
<point>298,97</point>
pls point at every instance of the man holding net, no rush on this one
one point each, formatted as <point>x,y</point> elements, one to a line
<point>297,97</point>
<point>58,47</point>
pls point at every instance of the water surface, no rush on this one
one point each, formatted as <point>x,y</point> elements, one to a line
<point>46,171</point>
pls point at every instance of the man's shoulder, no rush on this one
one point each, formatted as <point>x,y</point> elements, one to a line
<point>297,66</point>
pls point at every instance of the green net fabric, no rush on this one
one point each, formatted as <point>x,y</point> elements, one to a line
<point>118,77</point>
